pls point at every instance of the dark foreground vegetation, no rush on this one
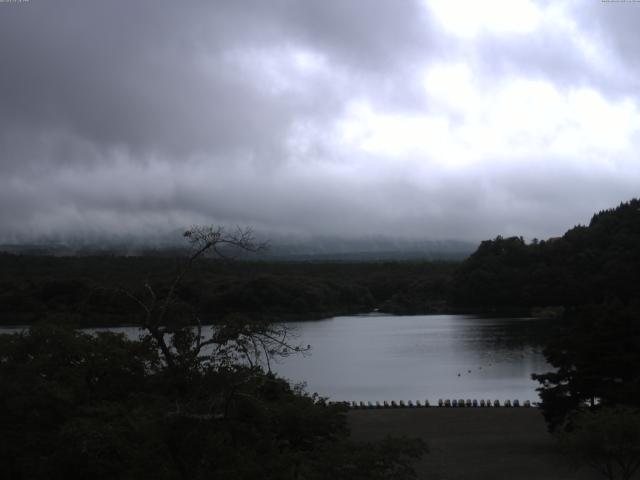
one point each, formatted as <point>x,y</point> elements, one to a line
<point>77,406</point>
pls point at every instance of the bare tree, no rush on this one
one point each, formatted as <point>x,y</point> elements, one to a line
<point>181,340</point>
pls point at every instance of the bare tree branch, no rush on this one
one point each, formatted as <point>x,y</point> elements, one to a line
<point>249,341</point>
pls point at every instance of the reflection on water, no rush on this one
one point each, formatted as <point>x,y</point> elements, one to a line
<point>383,357</point>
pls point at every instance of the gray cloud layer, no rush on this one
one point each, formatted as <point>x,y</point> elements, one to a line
<point>137,117</point>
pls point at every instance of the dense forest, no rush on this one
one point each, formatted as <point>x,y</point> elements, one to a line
<point>588,264</point>
<point>88,290</point>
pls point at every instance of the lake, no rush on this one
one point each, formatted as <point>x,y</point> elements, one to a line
<point>385,357</point>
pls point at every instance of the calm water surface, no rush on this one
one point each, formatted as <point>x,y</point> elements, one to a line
<point>384,357</point>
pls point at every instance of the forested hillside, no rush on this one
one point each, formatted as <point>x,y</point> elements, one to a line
<point>587,265</point>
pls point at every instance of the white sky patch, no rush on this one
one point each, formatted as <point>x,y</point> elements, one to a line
<point>452,84</point>
<point>468,18</point>
<point>520,119</point>
<point>517,118</point>
<point>609,126</point>
<point>391,134</point>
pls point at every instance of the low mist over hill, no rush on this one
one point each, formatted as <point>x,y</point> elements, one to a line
<point>294,248</point>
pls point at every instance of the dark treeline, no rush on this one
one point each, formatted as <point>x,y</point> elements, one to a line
<point>87,290</point>
<point>588,265</point>
<point>591,264</point>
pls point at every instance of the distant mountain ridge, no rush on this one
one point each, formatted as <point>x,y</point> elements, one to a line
<point>368,249</point>
<point>287,248</point>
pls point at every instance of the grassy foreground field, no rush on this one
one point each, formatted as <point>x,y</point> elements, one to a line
<point>473,443</point>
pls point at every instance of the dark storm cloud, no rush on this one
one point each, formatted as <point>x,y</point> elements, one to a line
<point>153,75</point>
<point>126,74</point>
<point>89,83</point>
<point>143,116</point>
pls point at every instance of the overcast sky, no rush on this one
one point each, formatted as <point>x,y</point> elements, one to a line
<point>426,119</point>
